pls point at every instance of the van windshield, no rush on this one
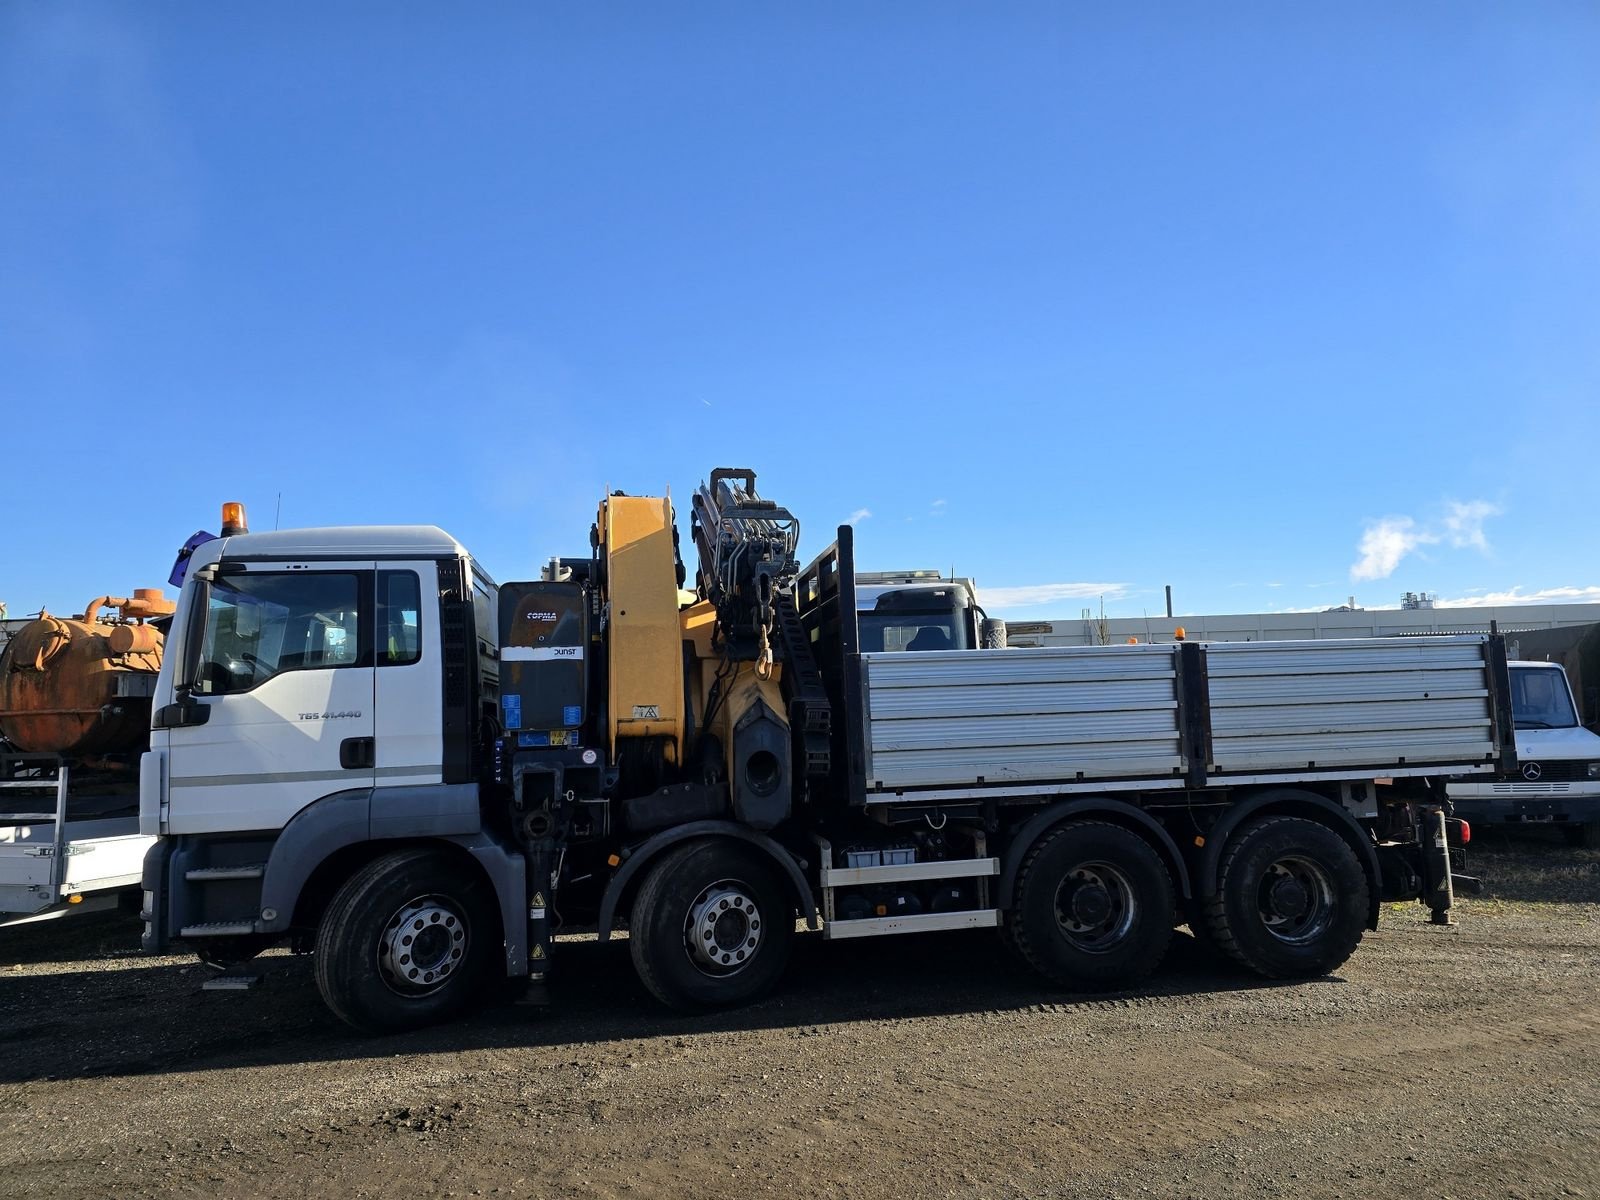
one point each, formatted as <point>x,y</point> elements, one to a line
<point>1540,698</point>
<point>912,631</point>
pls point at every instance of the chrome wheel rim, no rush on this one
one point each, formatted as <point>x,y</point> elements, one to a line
<point>724,929</point>
<point>1295,900</point>
<point>422,945</point>
<point>1095,907</point>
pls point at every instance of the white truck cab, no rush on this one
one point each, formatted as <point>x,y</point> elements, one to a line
<point>1557,777</point>
<point>305,670</point>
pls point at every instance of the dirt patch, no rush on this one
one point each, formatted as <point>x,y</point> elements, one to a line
<point>1440,1061</point>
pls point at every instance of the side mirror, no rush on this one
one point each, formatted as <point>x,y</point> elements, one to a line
<point>185,712</point>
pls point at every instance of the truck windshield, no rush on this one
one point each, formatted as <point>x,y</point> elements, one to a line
<point>1540,699</point>
<point>912,631</point>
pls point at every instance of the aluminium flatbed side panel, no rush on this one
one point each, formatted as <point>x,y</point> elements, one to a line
<point>1078,717</point>
<point>959,717</point>
<point>1279,706</point>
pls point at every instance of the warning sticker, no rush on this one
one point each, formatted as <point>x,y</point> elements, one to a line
<point>554,737</point>
<point>647,712</point>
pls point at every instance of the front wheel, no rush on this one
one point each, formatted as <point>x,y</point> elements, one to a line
<point>1093,907</point>
<point>406,942</point>
<point>1291,899</point>
<point>710,927</point>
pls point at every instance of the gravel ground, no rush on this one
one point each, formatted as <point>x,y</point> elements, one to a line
<point>1439,1062</point>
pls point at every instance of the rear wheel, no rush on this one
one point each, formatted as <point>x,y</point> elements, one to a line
<point>1093,907</point>
<point>406,942</point>
<point>711,926</point>
<point>1291,899</point>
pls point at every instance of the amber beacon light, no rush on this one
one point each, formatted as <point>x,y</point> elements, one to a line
<point>233,521</point>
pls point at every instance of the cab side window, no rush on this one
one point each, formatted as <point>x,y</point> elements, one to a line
<point>261,625</point>
<point>399,618</point>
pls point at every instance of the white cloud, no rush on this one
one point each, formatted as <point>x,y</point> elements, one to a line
<point>860,515</point>
<point>1554,595</point>
<point>1028,595</point>
<point>1464,523</point>
<point>1385,543</point>
<point>936,509</point>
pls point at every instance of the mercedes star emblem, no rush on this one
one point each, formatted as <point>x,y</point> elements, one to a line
<point>1531,771</point>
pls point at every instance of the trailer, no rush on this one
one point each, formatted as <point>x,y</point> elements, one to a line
<point>74,722</point>
<point>66,846</point>
<point>364,748</point>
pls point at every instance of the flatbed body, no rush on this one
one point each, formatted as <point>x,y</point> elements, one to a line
<point>1065,720</point>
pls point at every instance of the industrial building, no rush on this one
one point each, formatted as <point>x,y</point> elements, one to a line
<point>1417,617</point>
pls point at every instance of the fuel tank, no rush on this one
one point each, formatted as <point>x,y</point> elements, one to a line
<point>82,685</point>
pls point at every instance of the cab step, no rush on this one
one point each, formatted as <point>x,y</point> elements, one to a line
<point>230,983</point>
<point>218,929</point>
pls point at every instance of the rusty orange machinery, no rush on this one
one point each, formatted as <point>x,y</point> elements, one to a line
<point>82,685</point>
<point>662,698</point>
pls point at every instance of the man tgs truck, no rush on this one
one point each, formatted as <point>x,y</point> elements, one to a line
<point>366,749</point>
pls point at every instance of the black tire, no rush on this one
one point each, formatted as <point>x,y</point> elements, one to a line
<point>1007,930</point>
<point>1585,836</point>
<point>1093,907</point>
<point>365,967</point>
<point>730,892</point>
<point>1292,899</point>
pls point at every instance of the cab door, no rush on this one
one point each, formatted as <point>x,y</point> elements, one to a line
<point>409,702</point>
<point>285,674</point>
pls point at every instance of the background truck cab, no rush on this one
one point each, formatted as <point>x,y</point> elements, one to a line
<point>1557,777</point>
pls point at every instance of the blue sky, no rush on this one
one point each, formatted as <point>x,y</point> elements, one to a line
<point>1273,304</point>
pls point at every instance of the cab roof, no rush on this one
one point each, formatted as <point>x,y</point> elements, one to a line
<point>346,541</point>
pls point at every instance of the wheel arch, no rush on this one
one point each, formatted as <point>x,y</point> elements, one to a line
<point>328,841</point>
<point>1117,812</point>
<point>329,875</point>
<point>620,891</point>
<point>1289,802</point>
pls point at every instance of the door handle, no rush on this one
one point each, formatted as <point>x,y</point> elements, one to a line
<point>355,753</point>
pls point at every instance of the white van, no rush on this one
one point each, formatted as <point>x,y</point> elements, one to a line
<point>1557,780</point>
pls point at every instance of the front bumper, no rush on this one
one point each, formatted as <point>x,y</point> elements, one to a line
<point>1527,810</point>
